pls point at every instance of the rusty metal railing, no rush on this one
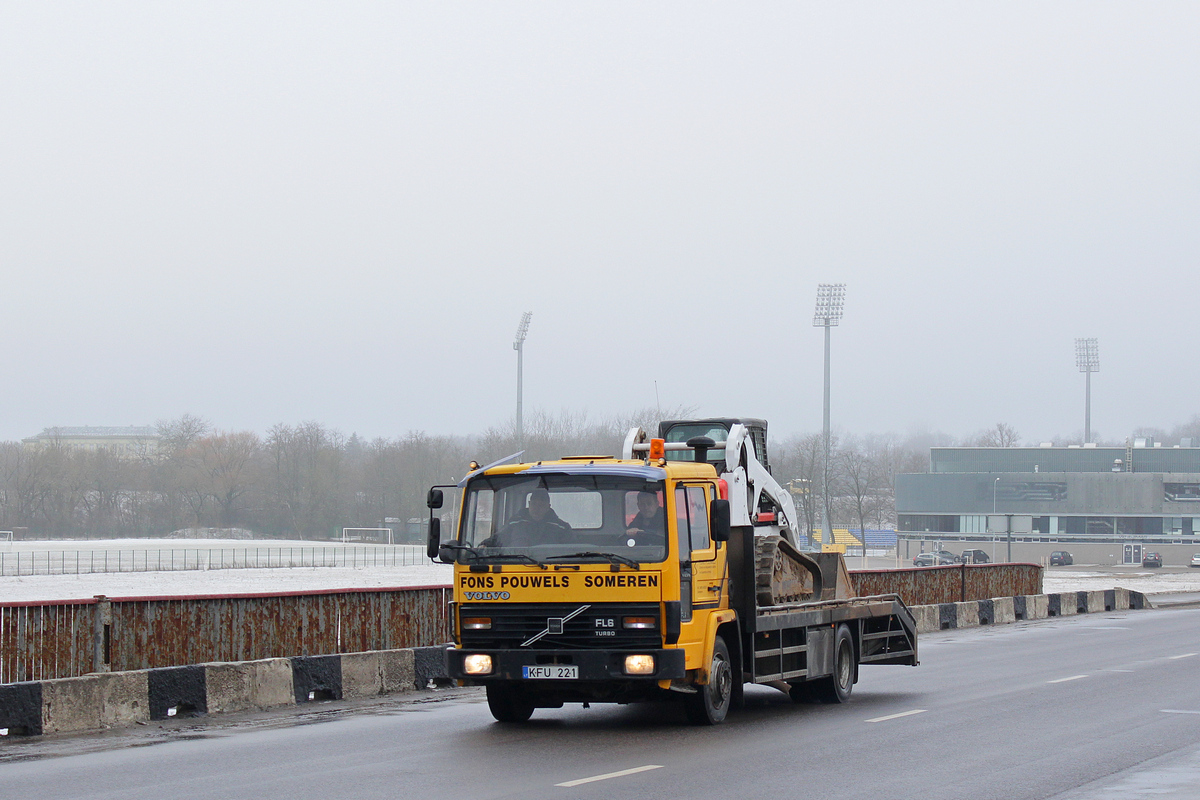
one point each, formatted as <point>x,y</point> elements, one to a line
<point>952,583</point>
<point>40,641</point>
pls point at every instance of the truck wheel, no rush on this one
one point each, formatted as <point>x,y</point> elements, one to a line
<point>507,704</point>
<point>837,687</point>
<point>710,705</point>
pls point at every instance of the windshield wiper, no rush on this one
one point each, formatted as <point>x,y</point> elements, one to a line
<point>478,555</point>
<point>522,557</point>
<point>612,558</point>
<point>462,548</point>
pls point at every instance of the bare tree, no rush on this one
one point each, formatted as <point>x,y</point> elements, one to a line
<point>1002,435</point>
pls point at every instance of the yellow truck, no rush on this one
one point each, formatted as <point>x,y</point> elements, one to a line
<point>674,570</point>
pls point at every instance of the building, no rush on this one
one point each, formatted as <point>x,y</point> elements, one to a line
<point>127,442</point>
<point>1138,497</point>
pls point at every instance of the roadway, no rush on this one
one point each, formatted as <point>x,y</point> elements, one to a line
<point>1097,706</point>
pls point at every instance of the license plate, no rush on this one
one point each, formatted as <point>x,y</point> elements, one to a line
<point>553,671</point>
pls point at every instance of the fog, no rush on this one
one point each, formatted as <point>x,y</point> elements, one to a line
<point>269,212</point>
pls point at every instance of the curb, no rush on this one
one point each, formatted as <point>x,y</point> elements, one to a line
<point>100,701</point>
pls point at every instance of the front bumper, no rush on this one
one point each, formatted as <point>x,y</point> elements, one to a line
<point>594,665</point>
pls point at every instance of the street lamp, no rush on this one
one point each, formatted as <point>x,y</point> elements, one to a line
<point>1087,358</point>
<point>519,346</point>
<point>830,299</point>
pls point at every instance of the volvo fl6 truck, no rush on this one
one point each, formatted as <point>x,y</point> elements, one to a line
<point>676,570</point>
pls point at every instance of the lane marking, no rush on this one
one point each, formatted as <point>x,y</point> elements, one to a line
<point>1064,680</point>
<point>897,716</point>
<point>1176,711</point>
<point>607,775</point>
<point>1185,655</point>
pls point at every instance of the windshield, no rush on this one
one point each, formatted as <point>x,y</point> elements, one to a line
<point>681,433</point>
<point>563,518</point>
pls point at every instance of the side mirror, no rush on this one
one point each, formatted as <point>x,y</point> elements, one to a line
<point>433,545</point>
<point>718,520</point>
<point>434,498</point>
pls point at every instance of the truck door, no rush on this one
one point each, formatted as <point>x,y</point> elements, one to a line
<point>706,570</point>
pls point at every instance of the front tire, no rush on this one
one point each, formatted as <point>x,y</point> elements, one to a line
<point>507,704</point>
<point>711,703</point>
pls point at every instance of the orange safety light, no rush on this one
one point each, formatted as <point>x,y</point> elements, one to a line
<point>658,449</point>
<point>722,488</point>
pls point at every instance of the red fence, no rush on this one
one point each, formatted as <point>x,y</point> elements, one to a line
<point>39,641</point>
<point>951,584</point>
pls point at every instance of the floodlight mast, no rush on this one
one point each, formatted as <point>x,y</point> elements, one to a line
<point>1087,358</point>
<point>519,346</point>
<point>831,298</point>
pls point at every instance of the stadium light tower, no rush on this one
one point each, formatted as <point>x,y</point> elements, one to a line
<point>519,346</point>
<point>830,299</point>
<point>1087,358</point>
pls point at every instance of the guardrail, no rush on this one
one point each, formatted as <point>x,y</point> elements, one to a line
<point>41,641</point>
<point>81,562</point>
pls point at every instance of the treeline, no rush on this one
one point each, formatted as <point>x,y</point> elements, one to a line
<point>304,481</point>
<point>309,481</point>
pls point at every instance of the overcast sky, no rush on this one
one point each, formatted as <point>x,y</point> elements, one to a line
<point>263,212</point>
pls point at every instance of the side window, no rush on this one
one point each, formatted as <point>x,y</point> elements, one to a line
<point>681,524</point>
<point>691,517</point>
<point>698,518</point>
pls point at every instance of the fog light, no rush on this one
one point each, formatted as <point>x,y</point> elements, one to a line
<point>477,664</point>
<point>639,665</point>
<point>477,623</point>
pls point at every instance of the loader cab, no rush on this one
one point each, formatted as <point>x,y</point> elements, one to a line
<point>717,429</point>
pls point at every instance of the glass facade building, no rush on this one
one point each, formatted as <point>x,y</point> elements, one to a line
<point>1134,494</point>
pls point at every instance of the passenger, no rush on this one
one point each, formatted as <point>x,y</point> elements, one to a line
<point>650,522</point>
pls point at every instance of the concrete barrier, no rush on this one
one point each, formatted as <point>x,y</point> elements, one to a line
<point>1093,602</point>
<point>966,615</point>
<point>248,685</point>
<point>1003,610</point>
<point>95,702</point>
<point>927,618</point>
<point>1037,606</point>
<point>947,616</point>
<point>104,700</point>
<point>986,612</point>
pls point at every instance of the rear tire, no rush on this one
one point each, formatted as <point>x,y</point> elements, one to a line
<point>507,704</point>
<point>711,703</point>
<point>837,687</point>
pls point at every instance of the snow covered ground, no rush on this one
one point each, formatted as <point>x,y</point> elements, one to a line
<point>389,567</point>
<point>42,587</point>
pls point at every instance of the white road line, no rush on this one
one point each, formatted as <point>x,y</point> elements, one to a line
<point>1176,711</point>
<point>608,775</point>
<point>897,716</point>
<point>1185,655</point>
<point>1064,680</point>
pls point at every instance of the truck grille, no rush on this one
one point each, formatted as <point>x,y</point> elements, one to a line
<point>516,623</point>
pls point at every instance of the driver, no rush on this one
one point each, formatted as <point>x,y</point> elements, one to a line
<point>536,524</point>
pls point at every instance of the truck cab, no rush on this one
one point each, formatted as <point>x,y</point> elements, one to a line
<point>592,579</point>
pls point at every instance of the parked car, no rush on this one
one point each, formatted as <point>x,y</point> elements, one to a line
<point>975,557</point>
<point>1152,560</point>
<point>1195,561</point>
<point>1061,558</point>
<point>936,559</point>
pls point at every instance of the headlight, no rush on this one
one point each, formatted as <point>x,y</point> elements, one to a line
<point>639,665</point>
<point>476,623</point>
<point>477,664</point>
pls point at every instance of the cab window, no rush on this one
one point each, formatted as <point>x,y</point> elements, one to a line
<point>691,516</point>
